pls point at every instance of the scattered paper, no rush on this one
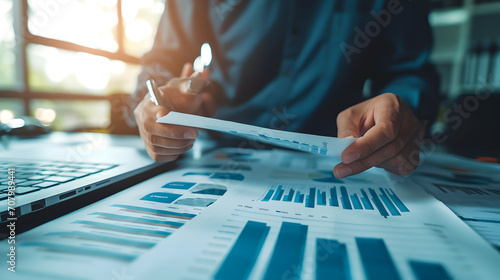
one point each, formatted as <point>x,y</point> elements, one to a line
<point>469,188</point>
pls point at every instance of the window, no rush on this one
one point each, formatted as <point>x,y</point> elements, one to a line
<point>8,75</point>
<point>60,61</point>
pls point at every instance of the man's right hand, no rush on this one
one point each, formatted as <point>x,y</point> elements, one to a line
<point>165,142</point>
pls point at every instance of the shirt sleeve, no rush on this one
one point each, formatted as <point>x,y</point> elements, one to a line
<point>171,49</point>
<point>404,69</point>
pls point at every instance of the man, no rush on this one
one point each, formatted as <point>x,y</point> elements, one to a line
<point>307,60</point>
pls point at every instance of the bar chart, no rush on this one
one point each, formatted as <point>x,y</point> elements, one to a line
<point>466,190</point>
<point>383,200</point>
<point>331,256</point>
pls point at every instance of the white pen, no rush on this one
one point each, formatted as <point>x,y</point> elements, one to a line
<point>154,93</point>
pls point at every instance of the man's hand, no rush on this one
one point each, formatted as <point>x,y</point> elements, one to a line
<point>389,134</point>
<point>166,142</point>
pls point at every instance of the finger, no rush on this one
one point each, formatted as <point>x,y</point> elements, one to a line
<point>164,142</point>
<point>196,75</point>
<point>160,151</point>
<point>161,158</point>
<point>178,98</point>
<point>163,154</point>
<point>147,111</point>
<point>205,75</point>
<point>384,131</point>
<point>152,128</point>
<point>405,162</point>
<point>187,70</point>
<point>381,155</point>
<point>394,149</point>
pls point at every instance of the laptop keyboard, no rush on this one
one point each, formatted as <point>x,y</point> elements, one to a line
<point>34,176</point>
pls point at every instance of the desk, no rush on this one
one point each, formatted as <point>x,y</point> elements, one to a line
<point>249,212</point>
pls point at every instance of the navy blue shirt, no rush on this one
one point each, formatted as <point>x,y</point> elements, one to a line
<point>295,64</point>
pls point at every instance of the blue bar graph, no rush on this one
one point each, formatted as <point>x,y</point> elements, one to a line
<point>310,198</point>
<point>321,198</point>
<point>268,195</point>
<point>388,203</point>
<point>384,200</point>
<point>242,257</point>
<point>376,259</point>
<point>277,193</point>
<point>366,201</point>
<point>397,201</point>
<point>280,195</point>
<point>334,200</point>
<point>378,203</point>
<point>355,202</point>
<point>288,252</point>
<point>332,261</point>
<point>345,198</point>
<point>297,197</point>
<point>289,196</point>
<point>428,271</point>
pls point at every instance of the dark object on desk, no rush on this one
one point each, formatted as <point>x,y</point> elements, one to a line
<point>472,125</point>
<point>25,126</point>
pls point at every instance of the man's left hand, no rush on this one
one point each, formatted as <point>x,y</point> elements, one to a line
<point>390,137</point>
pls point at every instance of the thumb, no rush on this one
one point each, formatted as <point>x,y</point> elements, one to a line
<point>177,98</point>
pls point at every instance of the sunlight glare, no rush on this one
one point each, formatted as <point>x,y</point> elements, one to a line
<point>57,65</point>
<point>92,71</point>
<point>45,116</point>
<point>6,116</point>
<point>138,30</point>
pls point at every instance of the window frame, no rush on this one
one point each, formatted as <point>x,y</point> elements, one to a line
<point>24,37</point>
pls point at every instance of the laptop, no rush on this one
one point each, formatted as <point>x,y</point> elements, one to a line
<point>62,166</point>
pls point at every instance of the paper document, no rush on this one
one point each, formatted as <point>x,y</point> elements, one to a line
<point>287,217</point>
<point>109,235</point>
<point>469,188</point>
<point>271,214</point>
<point>330,146</point>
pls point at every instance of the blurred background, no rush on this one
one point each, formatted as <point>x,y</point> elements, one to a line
<point>66,62</point>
